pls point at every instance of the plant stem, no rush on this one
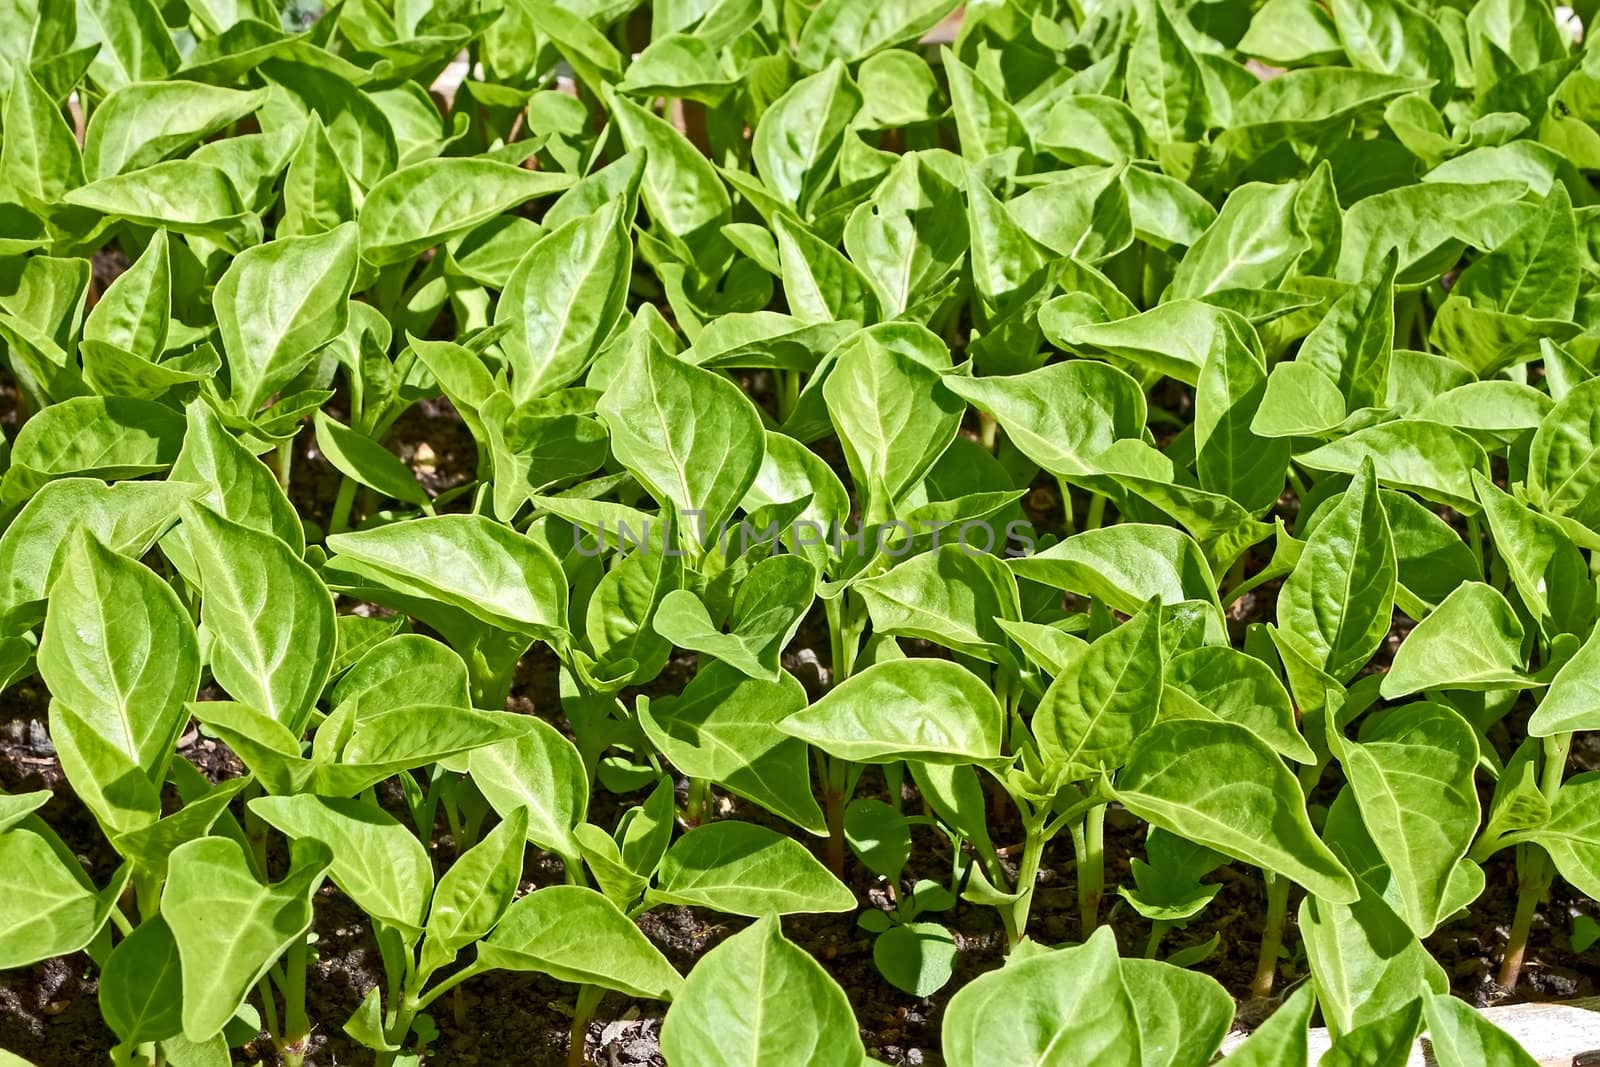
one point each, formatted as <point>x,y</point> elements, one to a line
<point>1158,930</point>
<point>1027,875</point>
<point>1097,512</point>
<point>1091,868</point>
<point>1533,879</point>
<point>285,463</point>
<point>1271,934</point>
<point>698,804</point>
<point>339,521</point>
<point>1534,870</point>
<point>1066,505</point>
<point>835,774</point>
<point>296,1027</point>
<point>588,1000</point>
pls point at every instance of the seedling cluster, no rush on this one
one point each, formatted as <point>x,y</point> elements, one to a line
<point>786,463</point>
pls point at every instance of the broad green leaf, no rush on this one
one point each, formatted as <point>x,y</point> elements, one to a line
<point>141,985</point>
<point>1472,640</point>
<point>1365,962</point>
<point>1461,1036</point>
<point>120,650</point>
<point>894,416</point>
<point>476,890</point>
<point>724,728</point>
<point>541,773</point>
<point>402,670</point>
<point>1572,835</point>
<point>377,862</point>
<point>562,300</point>
<point>1090,716</point>
<point>127,517</point>
<point>48,906</point>
<point>745,869</point>
<point>758,1000</point>
<point>797,140</point>
<point>1062,415</point>
<point>1043,1003</point>
<point>951,596</point>
<point>925,709</point>
<point>426,203</point>
<point>1434,461</point>
<point>268,621</point>
<point>1338,601</point>
<point>1238,688</point>
<point>211,878</point>
<point>469,562</point>
<point>108,437</point>
<point>574,934</point>
<point>767,610</point>
<point>145,122</point>
<point>838,29</point>
<point>689,435</point>
<point>1412,776</point>
<point>1124,565</point>
<point>1216,783</point>
<point>276,305</point>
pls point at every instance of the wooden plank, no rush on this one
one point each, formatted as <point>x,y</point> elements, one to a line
<point>1552,1033</point>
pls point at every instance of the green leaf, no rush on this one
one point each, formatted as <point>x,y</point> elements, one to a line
<point>276,305</point>
<point>1216,783</point>
<point>690,436</point>
<point>368,462</point>
<point>143,123</point>
<point>1043,1002</point>
<point>838,29</point>
<point>222,961</point>
<point>469,562</point>
<point>574,934</point>
<point>108,437</point>
<point>767,610</point>
<point>758,1000</point>
<point>48,906</point>
<point>1238,688</point>
<point>745,869</point>
<point>930,710</point>
<point>430,201</point>
<point>268,620</point>
<point>797,140</point>
<point>541,773</point>
<point>378,863</point>
<point>951,596</point>
<point>120,650</point>
<point>725,727</point>
<point>1570,703</point>
<point>1473,640</point>
<point>475,891</point>
<point>141,985</point>
<point>1572,834</point>
<point>1365,962</point>
<point>1412,777</point>
<point>1090,716</point>
<point>1460,1036</point>
<point>1337,603</point>
<point>1124,565</point>
<point>1282,1037</point>
<point>1062,415</point>
<point>562,300</point>
<point>894,416</point>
